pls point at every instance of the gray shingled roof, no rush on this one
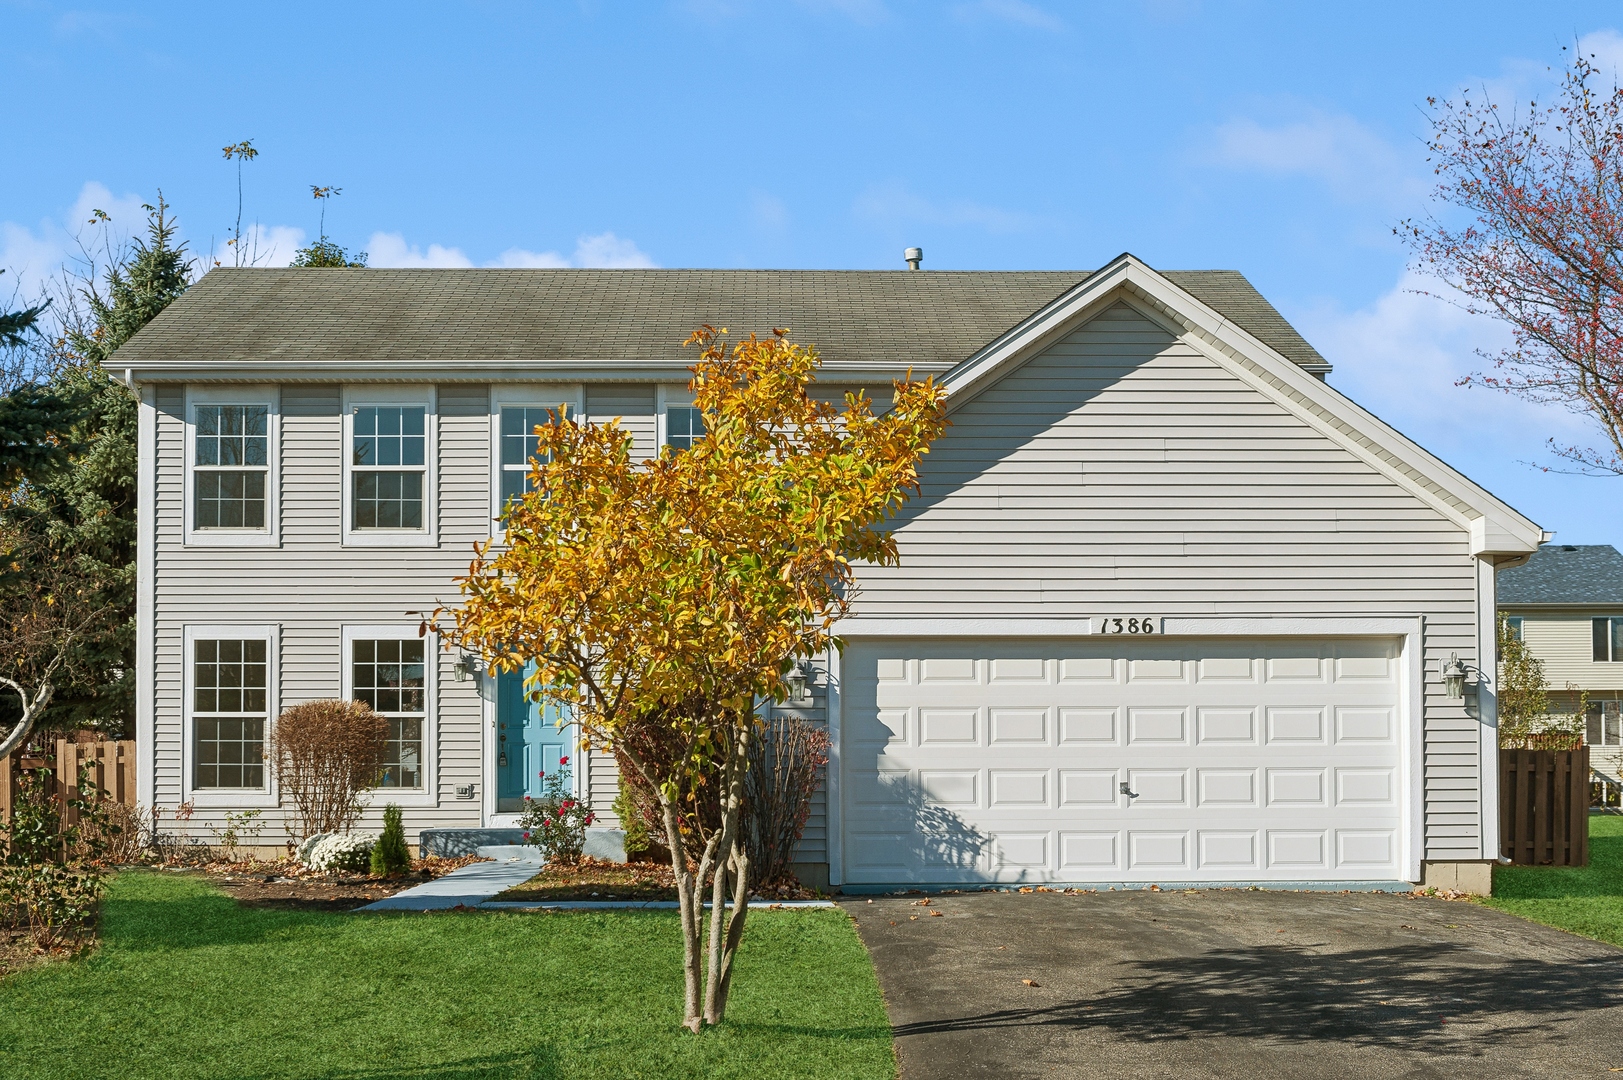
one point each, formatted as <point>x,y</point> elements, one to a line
<point>887,318</point>
<point>1565,574</point>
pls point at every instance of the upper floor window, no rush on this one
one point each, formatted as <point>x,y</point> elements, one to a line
<point>684,425</point>
<point>389,674</point>
<point>229,710</point>
<point>388,463</point>
<point>1604,724</point>
<point>1607,637</point>
<point>518,447</point>
<point>1513,623</point>
<point>230,467</point>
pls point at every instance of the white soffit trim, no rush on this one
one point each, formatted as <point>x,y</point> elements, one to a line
<point>1495,527</point>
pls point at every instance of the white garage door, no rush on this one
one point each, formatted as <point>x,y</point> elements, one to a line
<point>1247,760</point>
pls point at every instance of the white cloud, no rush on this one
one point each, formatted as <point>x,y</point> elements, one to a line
<point>768,212</point>
<point>896,203</point>
<point>602,250</point>
<point>865,12</point>
<point>610,252</point>
<point>391,250</point>
<point>1605,49</point>
<point>1353,161</point>
<point>262,245</point>
<point>33,254</point>
<point>1401,358</point>
<point>1014,11</point>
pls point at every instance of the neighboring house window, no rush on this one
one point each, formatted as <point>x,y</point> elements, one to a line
<point>389,675</point>
<point>230,466</point>
<point>388,461</point>
<point>1604,724</point>
<point>1607,635</point>
<point>684,425</point>
<point>228,712</point>
<point>1514,624</point>
<point>518,447</point>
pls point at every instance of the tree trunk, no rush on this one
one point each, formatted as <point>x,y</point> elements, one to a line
<point>690,912</point>
<point>725,933</point>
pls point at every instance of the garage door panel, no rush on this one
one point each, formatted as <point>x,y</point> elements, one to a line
<point>1004,761</point>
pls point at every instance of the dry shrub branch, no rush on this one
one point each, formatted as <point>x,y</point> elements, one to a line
<point>786,765</point>
<point>326,753</point>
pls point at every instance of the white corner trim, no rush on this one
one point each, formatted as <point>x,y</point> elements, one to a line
<point>833,810</point>
<point>1487,697</point>
<point>146,489</point>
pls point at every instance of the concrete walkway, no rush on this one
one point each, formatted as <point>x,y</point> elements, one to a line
<point>469,886</point>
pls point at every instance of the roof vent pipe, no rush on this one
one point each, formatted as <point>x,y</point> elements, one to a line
<point>914,257</point>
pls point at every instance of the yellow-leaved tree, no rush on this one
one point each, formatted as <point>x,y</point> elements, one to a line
<point>672,595</point>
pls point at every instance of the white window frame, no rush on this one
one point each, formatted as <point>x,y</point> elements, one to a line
<point>357,397</point>
<point>428,794</point>
<point>531,396</point>
<point>666,397</point>
<point>270,536</point>
<point>208,798</point>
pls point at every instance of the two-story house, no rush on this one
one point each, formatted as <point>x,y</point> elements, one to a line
<point>1169,607</point>
<point>1566,604</point>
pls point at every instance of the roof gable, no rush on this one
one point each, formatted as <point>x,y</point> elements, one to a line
<point>1495,527</point>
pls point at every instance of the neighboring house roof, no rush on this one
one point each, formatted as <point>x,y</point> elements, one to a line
<point>1568,575</point>
<point>308,321</point>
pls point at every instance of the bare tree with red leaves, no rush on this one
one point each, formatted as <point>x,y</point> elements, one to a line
<point>1544,251</point>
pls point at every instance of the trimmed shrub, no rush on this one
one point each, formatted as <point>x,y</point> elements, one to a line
<point>632,822</point>
<point>326,753</point>
<point>390,855</point>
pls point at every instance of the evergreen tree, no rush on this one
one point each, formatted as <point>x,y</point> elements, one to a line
<point>390,854</point>
<point>77,488</point>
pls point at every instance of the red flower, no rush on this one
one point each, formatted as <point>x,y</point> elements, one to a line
<point>563,761</point>
<point>543,772</point>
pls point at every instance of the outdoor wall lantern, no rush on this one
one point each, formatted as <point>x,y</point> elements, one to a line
<point>799,680</point>
<point>1454,677</point>
<point>466,667</point>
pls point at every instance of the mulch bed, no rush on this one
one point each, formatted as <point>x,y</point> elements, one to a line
<point>595,879</point>
<point>292,888</point>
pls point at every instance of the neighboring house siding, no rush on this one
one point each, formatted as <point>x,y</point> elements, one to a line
<point>1563,642</point>
<point>1123,472</point>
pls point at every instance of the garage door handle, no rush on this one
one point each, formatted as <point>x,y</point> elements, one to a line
<point>1128,791</point>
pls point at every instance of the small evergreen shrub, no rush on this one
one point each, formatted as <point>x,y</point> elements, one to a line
<point>390,855</point>
<point>632,822</point>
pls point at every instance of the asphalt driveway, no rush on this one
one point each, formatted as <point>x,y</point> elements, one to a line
<point>1219,983</point>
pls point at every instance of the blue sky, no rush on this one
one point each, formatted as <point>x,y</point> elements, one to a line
<point>1282,140</point>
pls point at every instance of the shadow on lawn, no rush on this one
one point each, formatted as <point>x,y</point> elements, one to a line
<point>197,917</point>
<point>1401,998</point>
<point>540,1063</point>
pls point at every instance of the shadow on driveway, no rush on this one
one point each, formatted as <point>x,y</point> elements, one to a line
<point>1238,984</point>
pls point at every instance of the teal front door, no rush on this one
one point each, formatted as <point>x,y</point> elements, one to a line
<point>529,741</point>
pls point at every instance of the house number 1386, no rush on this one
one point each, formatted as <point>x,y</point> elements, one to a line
<point>1135,625</point>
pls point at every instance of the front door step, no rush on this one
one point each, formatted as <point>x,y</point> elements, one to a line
<point>608,844</point>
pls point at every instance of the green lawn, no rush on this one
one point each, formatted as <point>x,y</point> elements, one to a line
<point>1587,900</point>
<point>187,984</point>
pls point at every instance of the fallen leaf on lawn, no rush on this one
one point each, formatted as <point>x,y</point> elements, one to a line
<point>912,918</point>
<point>1003,946</point>
<point>1031,982</point>
<point>937,914</point>
<point>1406,926</point>
<point>893,922</point>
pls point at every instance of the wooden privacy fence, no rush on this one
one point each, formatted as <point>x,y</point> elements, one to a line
<point>112,771</point>
<point>1544,807</point>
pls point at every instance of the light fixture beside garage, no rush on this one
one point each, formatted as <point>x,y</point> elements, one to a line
<point>799,679</point>
<point>1454,677</point>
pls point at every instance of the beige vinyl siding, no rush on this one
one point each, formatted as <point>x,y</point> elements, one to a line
<point>310,586</point>
<point>633,405</point>
<point>1564,643</point>
<point>1122,472</point>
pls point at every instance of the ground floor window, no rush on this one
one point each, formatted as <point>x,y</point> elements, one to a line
<point>390,676</point>
<point>228,713</point>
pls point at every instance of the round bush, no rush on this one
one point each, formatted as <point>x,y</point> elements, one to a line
<point>342,851</point>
